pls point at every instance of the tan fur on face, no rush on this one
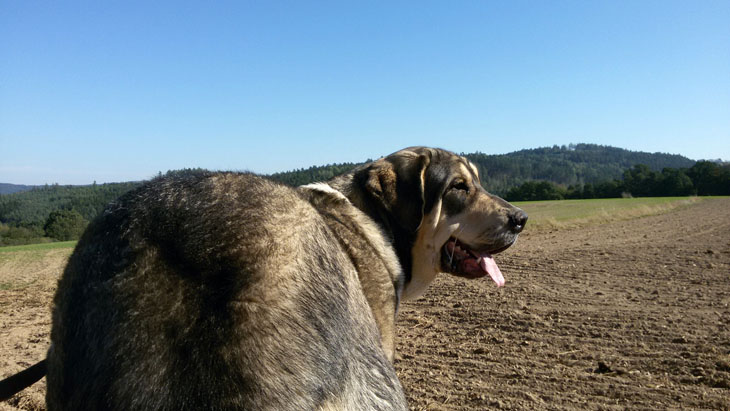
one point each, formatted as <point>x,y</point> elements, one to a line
<point>432,234</point>
<point>482,224</point>
<point>474,169</point>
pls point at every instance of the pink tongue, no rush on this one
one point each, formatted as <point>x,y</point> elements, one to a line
<point>487,263</point>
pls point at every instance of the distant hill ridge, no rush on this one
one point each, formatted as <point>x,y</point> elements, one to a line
<point>575,164</point>
<point>6,188</point>
<point>566,165</point>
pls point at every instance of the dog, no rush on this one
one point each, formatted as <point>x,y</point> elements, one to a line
<point>221,290</point>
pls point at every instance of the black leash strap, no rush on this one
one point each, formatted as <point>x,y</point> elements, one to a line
<point>24,379</point>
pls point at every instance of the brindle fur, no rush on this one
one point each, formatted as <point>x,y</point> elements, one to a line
<point>228,291</point>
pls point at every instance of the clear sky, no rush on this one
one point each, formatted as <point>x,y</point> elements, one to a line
<point>117,91</point>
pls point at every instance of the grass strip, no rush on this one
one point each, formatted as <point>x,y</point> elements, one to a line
<point>548,215</point>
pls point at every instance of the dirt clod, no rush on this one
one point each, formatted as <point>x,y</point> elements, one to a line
<point>602,368</point>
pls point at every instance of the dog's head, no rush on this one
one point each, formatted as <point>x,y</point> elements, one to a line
<point>440,217</point>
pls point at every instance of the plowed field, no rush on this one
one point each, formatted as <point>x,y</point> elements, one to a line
<point>631,314</point>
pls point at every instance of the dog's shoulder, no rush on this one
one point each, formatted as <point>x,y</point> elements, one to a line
<point>371,252</point>
<point>362,238</point>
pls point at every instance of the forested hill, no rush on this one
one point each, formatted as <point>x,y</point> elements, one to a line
<point>567,165</point>
<point>32,207</point>
<point>573,165</point>
<point>13,188</point>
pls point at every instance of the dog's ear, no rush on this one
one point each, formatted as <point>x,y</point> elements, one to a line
<point>381,183</point>
<point>396,182</point>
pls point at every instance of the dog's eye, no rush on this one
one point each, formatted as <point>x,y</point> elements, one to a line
<point>460,185</point>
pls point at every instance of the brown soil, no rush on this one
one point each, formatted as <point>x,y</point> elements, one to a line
<point>25,317</point>
<point>630,314</point>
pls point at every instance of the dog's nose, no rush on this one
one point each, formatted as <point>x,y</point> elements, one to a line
<point>517,220</point>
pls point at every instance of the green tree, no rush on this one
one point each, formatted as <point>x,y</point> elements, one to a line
<point>65,225</point>
<point>674,182</point>
<point>589,191</point>
<point>10,235</point>
<point>710,178</point>
<point>535,190</point>
<point>609,189</point>
<point>640,181</point>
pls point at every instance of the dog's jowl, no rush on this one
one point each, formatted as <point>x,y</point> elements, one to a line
<point>228,291</point>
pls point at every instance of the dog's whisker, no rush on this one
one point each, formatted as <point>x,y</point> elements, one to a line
<point>453,250</point>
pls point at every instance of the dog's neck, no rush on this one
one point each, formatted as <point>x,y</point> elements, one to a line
<point>354,189</point>
<point>345,184</point>
<point>370,251</point>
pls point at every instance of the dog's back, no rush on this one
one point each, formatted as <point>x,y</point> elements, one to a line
<point>214,291</point>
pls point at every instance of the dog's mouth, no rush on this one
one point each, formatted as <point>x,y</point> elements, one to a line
<point>458,259</point>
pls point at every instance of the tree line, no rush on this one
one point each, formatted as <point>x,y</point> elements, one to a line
<point>574,171</point>
<point>574,164</point>
<point>313,174</point>
<point>704,178</point>
<point>57,212</point>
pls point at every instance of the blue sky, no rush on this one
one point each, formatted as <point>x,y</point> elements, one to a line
<point>117,91</point>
